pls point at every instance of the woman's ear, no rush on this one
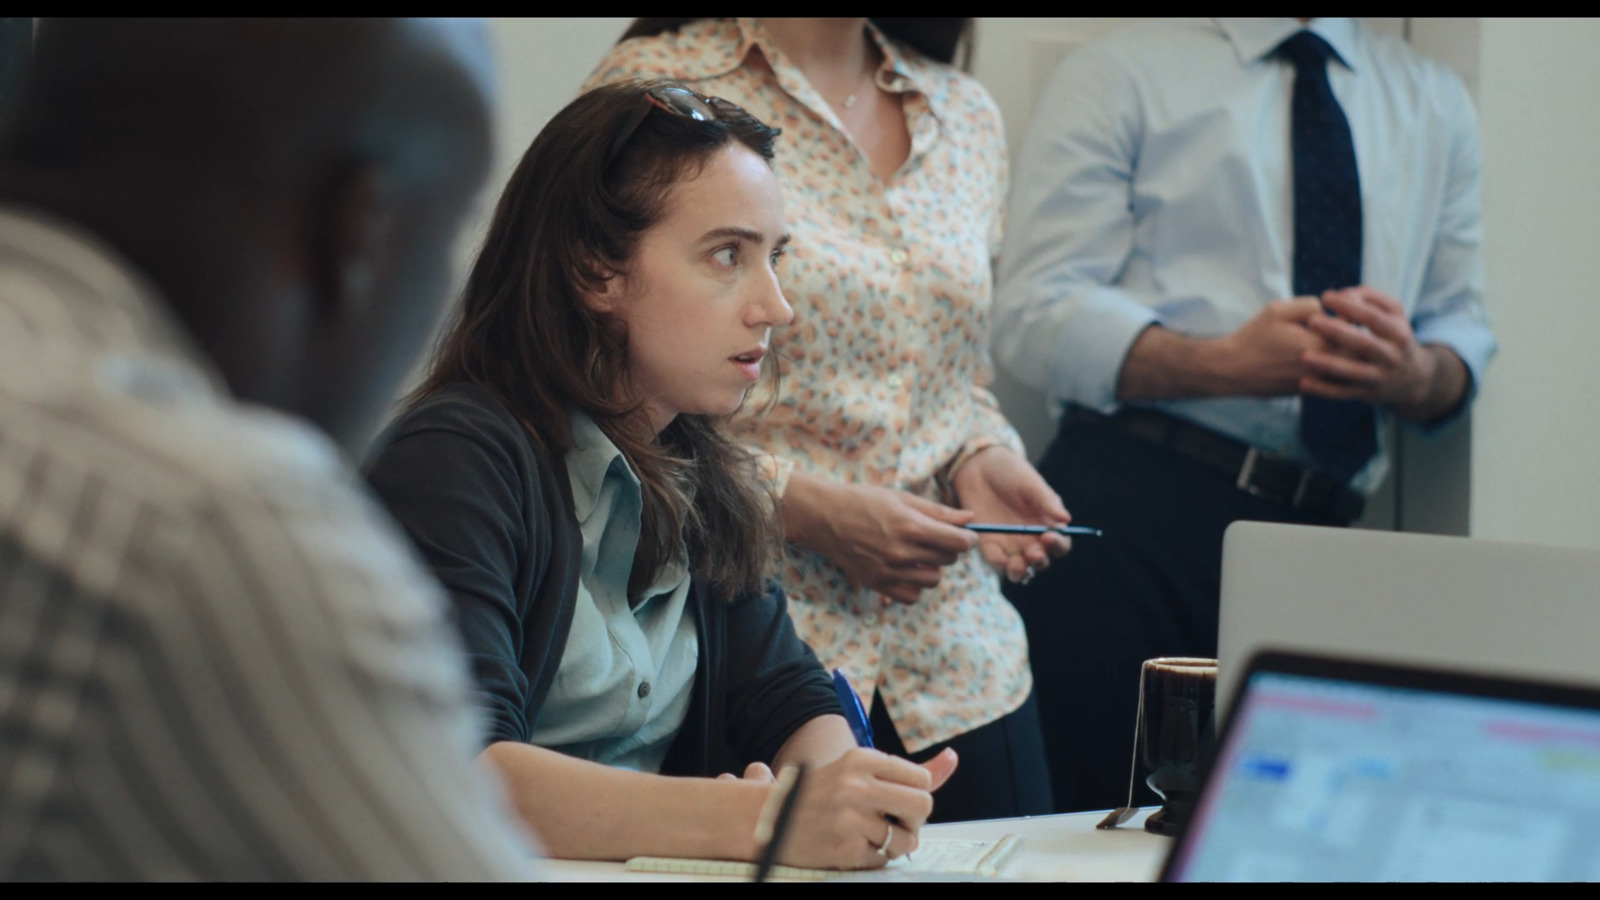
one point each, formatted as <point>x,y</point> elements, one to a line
<point>608,296</point>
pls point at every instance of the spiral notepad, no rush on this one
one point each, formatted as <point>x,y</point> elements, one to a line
<point>946,857</point>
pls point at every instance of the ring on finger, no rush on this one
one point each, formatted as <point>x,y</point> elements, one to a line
<point>883,849</point>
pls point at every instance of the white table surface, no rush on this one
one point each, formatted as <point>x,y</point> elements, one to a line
<point>1054,848</point>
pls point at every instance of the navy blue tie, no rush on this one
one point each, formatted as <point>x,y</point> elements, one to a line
<point>1341,435</point>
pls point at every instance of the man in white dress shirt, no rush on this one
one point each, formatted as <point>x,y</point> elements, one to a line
<point>222,243</point>
<point>1235,247</point>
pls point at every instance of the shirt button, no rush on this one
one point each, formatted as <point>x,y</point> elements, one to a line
<point>644,689</point>
<point>870,619</point>
<point>899,257</point>
<point>895,382</point>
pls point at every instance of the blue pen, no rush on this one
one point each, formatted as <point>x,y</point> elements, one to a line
<point>856,716</point>
<point>853,713</point>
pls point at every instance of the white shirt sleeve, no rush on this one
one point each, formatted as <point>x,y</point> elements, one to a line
<point>1449,307</point>
<point>1060,324</point>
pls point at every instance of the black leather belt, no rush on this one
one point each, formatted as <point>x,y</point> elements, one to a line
<point>1272,480</point>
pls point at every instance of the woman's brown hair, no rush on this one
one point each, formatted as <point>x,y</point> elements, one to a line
<point>569,220</point>
<point>942,40</point>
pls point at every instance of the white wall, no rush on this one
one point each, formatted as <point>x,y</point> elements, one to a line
<point>542,63</point>
<point>1536,442</point>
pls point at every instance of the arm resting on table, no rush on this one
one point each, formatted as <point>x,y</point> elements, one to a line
<point>586,810</point>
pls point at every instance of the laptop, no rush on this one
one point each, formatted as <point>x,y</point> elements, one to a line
<point>1338,770</point>
<point>1494,606</point>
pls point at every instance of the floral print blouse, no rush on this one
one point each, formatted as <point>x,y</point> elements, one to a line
<point>883,369</point>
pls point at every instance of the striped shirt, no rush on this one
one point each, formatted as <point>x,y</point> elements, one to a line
<point>218,658</point>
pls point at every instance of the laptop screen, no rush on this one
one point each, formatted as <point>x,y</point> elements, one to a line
<point>1322,778</point>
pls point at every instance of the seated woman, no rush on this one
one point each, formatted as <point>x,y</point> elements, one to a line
<point>564,470</point>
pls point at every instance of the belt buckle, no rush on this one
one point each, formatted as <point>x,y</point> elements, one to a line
<point>1300,489</point>
<point>1245,471</point>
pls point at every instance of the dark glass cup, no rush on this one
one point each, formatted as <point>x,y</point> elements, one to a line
<point>1179,734</point>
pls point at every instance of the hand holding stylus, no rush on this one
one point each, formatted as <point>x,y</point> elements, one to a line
<point>998,485</point>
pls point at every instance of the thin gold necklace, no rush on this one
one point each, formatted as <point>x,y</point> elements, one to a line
<point>872,78</point>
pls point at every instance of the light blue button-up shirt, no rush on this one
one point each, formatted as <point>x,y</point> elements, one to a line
<point>1155,186</point>
<point>624,685</point>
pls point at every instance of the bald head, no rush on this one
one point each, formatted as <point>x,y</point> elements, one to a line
<point>293,187</point>
<point>252,97</point>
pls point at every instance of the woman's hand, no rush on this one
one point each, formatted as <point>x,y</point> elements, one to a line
<point>585,810</point>
<point>890,541</point>
<point>997,485</point>
<point>840,818</point>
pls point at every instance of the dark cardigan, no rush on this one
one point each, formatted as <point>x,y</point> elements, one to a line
<point>493,516</point>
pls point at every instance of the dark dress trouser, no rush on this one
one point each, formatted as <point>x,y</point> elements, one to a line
<point>1148,588</point>
<point>1000,771</point>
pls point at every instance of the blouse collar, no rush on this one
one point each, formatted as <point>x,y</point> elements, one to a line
<point>728,44</point>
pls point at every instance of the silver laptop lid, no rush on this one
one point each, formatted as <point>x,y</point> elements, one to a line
<point>1493,606</point>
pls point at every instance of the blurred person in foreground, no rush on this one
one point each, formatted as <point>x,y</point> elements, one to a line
<point>223,242</point>
<point>1238,248</point>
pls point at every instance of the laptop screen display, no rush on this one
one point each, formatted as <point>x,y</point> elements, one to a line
<point>1325,779</point>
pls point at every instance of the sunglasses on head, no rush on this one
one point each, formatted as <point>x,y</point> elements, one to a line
<point>680,101</point>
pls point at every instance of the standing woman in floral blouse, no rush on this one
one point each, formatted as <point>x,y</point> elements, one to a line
<point>884,441</point>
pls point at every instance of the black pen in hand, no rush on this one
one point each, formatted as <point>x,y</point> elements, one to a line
<point>772,826</point>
